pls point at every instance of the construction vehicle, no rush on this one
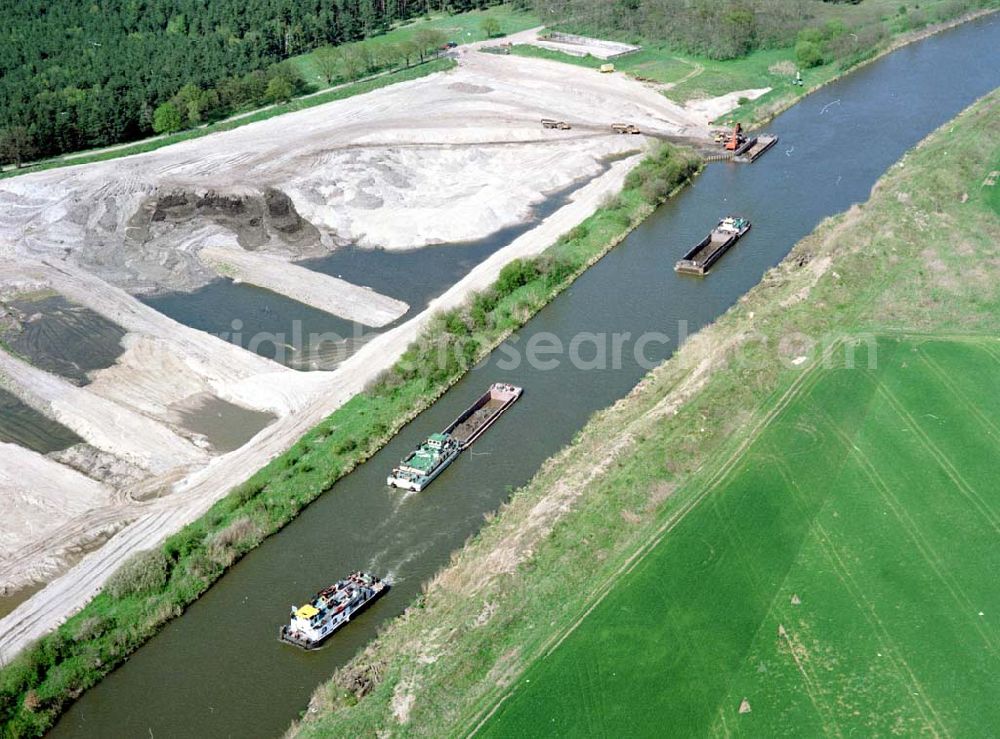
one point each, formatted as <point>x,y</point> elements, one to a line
<point>625,128</point>
<point>736,138</point>
<point>607,68</point>
<point>553,123</point>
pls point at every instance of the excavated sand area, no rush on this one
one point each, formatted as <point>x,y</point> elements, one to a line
<point>450,157</point>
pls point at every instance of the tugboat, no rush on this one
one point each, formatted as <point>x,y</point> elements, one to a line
<point>425,463</point>
<point>313,623</point>
<point>432,457</point>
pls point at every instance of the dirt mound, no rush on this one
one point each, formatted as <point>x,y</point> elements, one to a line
<point>256,219</point>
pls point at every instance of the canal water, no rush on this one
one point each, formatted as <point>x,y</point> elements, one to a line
<point>219,670</point>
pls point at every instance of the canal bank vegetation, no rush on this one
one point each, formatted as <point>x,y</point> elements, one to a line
<point>920,257</point>
<point>707,49</point>
<point>154,587</point>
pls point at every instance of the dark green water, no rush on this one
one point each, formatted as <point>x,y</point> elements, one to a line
<point>219,670</point>
<point>64,338</point>
<point>22,424</point>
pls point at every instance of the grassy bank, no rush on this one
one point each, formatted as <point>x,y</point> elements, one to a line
<point>919,258</point>
<point>844,35</point>
<point>157,585</point>
<point>337,93</point>
<point>462,28</point>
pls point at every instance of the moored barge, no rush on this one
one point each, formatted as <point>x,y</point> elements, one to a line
<point>316,621</point>
<point>706,253</point>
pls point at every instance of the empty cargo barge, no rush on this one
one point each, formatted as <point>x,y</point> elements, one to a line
<point>706,253</point>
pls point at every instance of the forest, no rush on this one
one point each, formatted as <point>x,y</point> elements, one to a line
<point>78,74</point>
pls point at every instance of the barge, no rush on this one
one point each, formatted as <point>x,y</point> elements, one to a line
<point>430,459</point>
<point>754,148</point>
<point>483,413</point>
<point>706,253</point>
<point>316,621</point>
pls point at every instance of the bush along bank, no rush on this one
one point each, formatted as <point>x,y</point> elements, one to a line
<point>155,586</point>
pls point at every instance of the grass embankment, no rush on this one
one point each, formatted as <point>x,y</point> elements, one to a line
<point>843,35</point>
<point>335,93</point>
<point>157,585</point>
<point>919,258</point>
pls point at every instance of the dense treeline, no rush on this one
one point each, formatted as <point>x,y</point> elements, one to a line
<point>77,74</point>
<point>725,29</point>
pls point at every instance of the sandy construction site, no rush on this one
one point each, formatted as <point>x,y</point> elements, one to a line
<point>447,158</point>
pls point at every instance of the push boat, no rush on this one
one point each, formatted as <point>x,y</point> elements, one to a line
<point>710,249</point>
<point>316,621</point>
<point>430,459</point>
<point>419,468</point>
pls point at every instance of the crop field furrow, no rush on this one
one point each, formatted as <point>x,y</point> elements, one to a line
<point>823,696</point>
<point>959,395</point>
<point>942,460</point>
<point>889,644</point>
<point>917,538</point>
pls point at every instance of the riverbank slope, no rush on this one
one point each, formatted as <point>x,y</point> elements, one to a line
<point>917,258</point>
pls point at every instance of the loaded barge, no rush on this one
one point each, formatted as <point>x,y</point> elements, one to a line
<point>754,148</point>
<point>430,459</point>
<point>316,621</point>
<point>706,253</point>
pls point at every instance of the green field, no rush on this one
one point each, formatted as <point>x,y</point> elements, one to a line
<point>462,28</point>
<point>839,575</point>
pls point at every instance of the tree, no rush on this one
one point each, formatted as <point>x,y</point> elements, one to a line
<point>365,56</point>
<point>491,27</point>
<point>408,50</point>
<point>328,63</point>
<point>427,40</point>
<point>167,119</point>
<point>739,27</point>
<point>16,145</point>
<point>388,56</point>
<point>279,89</point>
<point>353,63</point>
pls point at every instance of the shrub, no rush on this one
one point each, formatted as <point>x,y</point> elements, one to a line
<point>517,273</point>
<point>144,572</point>
<point>224,545</point>
<point>808,54</point>
<point>347,445</point>
<point>89,628</point>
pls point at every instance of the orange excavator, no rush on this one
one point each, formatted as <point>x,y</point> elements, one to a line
<point>736,139</point>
